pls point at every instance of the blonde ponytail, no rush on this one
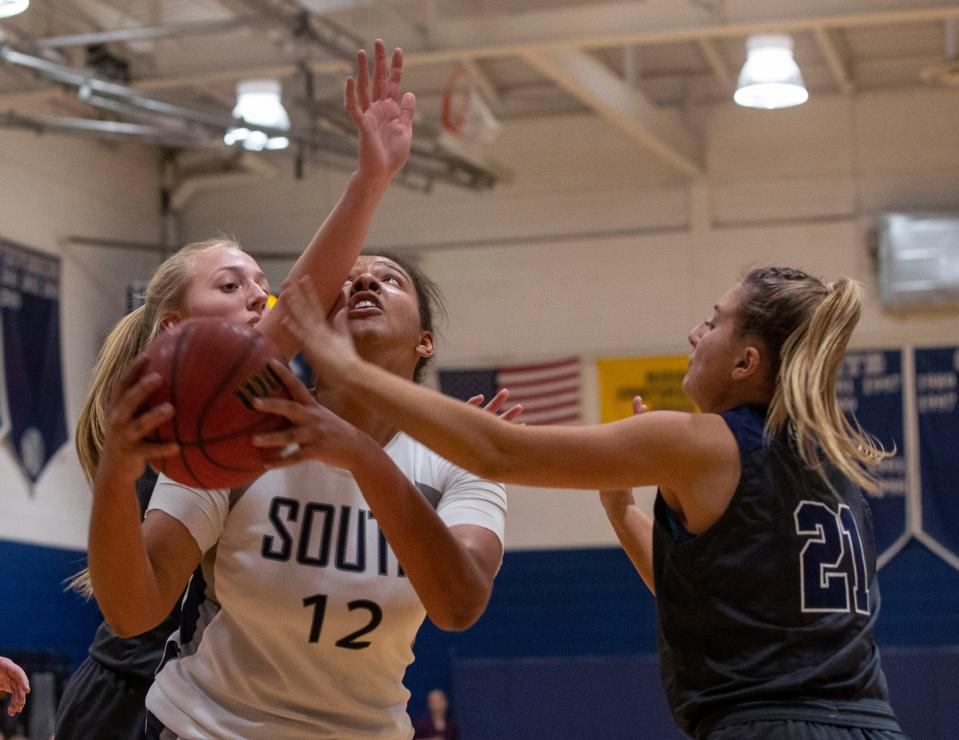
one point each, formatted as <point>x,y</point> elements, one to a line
<point>805,398</point>
<point>805,326</point>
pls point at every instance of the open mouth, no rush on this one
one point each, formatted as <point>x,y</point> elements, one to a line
<point>364,303</point>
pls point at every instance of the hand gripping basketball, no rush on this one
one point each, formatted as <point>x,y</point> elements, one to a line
<point>212,369</point>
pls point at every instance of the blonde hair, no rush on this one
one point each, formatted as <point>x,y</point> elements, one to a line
<point>164,293</point>
<point>805,326</point>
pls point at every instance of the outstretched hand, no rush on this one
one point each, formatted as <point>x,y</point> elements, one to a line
<point>328,349</point>
<point>384,120</point>
<point>317,432</point>
<point>14,681</point>
<point>496,403</point>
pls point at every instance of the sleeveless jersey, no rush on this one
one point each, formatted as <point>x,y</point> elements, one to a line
<point>306,622</point>
<point>775,604</point>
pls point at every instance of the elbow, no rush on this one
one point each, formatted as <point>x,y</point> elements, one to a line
<point>125,626</point>
<point>458,617</point>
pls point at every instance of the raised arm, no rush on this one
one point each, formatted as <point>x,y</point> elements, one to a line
<point>451,568</point>
<point>384,123</point>
<point>136,573</point>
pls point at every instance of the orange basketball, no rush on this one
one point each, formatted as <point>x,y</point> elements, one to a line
<point>212,370</point>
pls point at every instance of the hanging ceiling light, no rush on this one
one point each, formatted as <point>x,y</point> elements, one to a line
<point>258,103</point>
<point>12,7</point>
<point>770,78</point>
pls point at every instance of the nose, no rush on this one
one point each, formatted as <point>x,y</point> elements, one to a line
<point>695,334</point>
<point>364,281</point>
<point>257,299</point>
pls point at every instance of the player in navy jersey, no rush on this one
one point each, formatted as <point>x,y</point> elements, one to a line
<point>761,553</point>
<point>105,696</point>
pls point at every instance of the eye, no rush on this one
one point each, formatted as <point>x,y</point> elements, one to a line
<point>230,287</point>
<point>395,279</point>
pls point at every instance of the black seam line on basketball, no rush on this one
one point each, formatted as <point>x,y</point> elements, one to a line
<point>200,444</point>
<point>188,331</point>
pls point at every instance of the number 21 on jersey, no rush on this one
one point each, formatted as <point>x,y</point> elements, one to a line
<point>832,564</point>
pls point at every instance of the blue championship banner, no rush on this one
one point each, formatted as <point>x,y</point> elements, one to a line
<point>30,322</point>
<point>937,386</point>
<point>871,389</point>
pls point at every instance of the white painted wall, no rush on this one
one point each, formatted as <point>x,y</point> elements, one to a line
<point>597,249</point>
<point>52,188</point>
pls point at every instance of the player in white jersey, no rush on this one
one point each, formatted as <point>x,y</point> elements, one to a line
<point>306,621</point>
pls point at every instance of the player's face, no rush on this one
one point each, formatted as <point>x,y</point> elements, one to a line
<point>227,282</point>
<point>716,349</point>
<point>383,310</point>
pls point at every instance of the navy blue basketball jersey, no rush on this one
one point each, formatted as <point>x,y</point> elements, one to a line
<point>776,603</point>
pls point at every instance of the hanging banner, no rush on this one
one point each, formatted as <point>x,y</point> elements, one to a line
<point>30,322</point>
<point>937,393</point>
<point>871,390</point>
<point>659,380</point>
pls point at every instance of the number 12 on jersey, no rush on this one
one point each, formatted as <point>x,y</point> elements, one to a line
<point>350,641</point>
<point>832,564</point>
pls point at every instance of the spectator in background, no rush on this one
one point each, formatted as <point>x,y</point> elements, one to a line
<point>13,681</point>
<point>437,724</point>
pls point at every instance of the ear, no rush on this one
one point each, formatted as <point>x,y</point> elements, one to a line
<point>425,347</point>
<point>748,363</point>
<point>170,318</point>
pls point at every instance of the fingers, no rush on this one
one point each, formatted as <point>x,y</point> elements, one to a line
<point>476,400</point>
<point>132,400</point>
<point>379,69</point>
<point>396,74</point>
<point>362,80</point>
<point>639,407</point>
<point>497,401</point>
<point>297,390</point>
<point>512,413</point>
<point>159,450</point>
<point>349,102</point>
<point>148,422</point>
<point>407,108</point>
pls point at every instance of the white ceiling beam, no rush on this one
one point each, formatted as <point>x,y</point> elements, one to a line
<point>605,31</point>
<point>661,131</point>
<point>717,64</point>
<point>834,59</point>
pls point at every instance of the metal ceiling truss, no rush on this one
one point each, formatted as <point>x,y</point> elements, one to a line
<point>330,140</point>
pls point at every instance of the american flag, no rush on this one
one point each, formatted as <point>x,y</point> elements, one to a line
<point>549,391</point>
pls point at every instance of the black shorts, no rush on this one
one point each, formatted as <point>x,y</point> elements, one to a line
<point>788,729</point>
<point>101,704</point>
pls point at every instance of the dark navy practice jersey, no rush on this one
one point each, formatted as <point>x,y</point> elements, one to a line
<point>776,603</point>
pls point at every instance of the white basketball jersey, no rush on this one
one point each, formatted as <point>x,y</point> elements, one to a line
<point>306,624</point>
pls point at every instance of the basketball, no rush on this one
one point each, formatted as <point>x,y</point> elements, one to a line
<point>212,370</point>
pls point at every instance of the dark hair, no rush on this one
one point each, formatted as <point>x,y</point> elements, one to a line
<point>428,298</point>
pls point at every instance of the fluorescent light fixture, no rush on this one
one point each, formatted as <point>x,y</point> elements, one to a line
<point>770,78</point>
<point>258,103</point>
<point>13,7</point>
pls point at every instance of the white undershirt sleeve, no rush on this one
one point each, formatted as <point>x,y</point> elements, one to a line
<point>203,513</point>
<point>468,499</point>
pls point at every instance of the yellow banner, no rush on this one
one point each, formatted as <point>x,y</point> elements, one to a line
<point>659,380</point>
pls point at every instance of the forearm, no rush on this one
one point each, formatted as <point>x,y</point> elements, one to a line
<point>634,529</point>
<point>121,573</point>
<point>331,253</point>
<point>447,577</point>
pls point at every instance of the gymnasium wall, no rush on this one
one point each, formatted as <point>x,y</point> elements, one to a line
<point>52,188</point>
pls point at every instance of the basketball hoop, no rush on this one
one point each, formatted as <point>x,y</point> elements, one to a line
<point>465,114</point>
